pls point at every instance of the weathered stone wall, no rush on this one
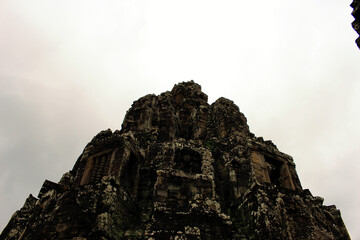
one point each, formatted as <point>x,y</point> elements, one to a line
<point>178,169</point>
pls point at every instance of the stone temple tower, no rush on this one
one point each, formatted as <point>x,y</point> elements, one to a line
<point>179,168</point>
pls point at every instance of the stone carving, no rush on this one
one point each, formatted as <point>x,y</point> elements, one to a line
<point>179,168</point>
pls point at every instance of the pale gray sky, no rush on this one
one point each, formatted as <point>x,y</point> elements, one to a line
<point>69,69</point>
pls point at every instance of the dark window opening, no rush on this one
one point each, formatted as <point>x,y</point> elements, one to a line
<point>223,186</point>
<point>129,174</point>
<point>147,179</point>
<point>188,161</point>
<point>274,170</point>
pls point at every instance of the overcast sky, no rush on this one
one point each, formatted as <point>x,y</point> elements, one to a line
<point>69,69</point>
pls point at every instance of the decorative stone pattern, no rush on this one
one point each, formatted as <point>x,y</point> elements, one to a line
<point>179,168</point>
<point>356,14</point>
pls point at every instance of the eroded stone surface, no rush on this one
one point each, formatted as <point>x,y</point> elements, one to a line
<point>179,168</point>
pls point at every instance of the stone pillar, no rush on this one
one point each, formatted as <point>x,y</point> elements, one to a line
<point>260,167</point>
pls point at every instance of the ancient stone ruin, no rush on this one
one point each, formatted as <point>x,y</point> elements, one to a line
<point>179,168</point>
<point>356,14</point>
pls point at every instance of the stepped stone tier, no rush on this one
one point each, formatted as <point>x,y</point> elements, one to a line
<point>356,14</point>
<point>179,168</point>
